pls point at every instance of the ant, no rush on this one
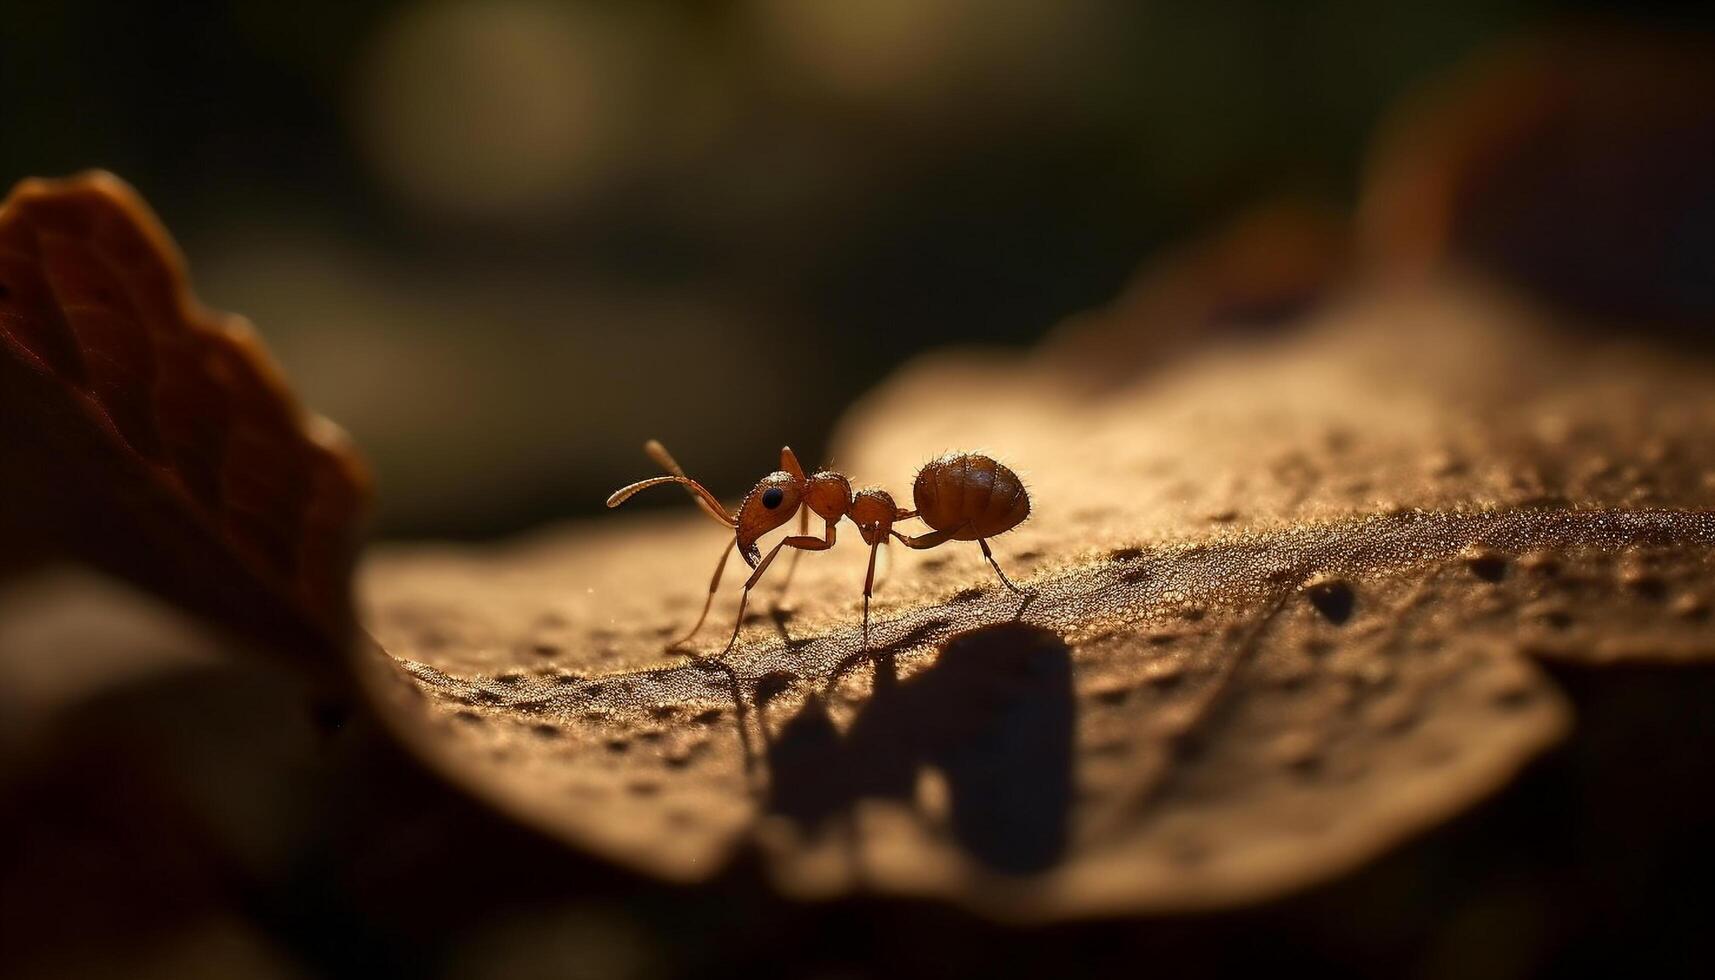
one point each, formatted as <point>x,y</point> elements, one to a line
<point>961,496</point>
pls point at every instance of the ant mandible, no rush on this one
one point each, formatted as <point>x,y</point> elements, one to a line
<point>961,496</point>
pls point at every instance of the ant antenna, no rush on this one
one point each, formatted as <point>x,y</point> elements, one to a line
<point>699,493</point>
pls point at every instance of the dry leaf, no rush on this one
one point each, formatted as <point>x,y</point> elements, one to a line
<point>154,437</point>
<point>1289,595</point>
<point>1290,591</point>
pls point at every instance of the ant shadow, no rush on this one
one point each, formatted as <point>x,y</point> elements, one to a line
<point>993,715</point>
<point>780,616</point>
<point>765,689</point>
<point>777,616</point>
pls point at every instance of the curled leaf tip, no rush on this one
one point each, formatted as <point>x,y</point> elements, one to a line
<point>157,438</point>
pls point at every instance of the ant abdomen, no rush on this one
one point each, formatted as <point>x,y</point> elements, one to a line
<point>970,495</point>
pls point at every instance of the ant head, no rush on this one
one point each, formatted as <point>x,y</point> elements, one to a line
<point>769,504</point>
<point>873,512</point>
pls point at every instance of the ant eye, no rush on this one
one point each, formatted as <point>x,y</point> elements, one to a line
<point>772,496</point>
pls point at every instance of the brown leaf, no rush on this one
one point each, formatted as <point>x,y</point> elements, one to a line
<point>154,437</point>
<point>1289,596</point>
<point>1289,593</point>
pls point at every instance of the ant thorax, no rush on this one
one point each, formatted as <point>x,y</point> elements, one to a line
<point>873,512</point>
<point>829,494</point>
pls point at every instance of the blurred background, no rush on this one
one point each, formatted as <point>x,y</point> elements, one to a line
<point>505,241</point>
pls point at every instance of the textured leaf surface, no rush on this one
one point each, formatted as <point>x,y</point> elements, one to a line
<point>155,437</point>
<point>1291,596</point>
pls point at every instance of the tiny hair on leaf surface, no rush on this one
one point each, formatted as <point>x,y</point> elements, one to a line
<point>1292,597</point>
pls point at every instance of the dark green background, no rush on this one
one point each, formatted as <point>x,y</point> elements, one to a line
<point>500,371</point>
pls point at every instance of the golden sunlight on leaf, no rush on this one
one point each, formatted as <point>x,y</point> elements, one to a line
<point>1291,597</point>
<point>1293,593</point>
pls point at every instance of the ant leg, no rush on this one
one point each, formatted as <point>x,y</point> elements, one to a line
<point>886,566</point>
<point>934,538</point>
<point>869,587</point>
<point>803,543</point>
<point>1004,580</point>
<point>714,583</point>
<point>792,566</point>
<point>930,540</point>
